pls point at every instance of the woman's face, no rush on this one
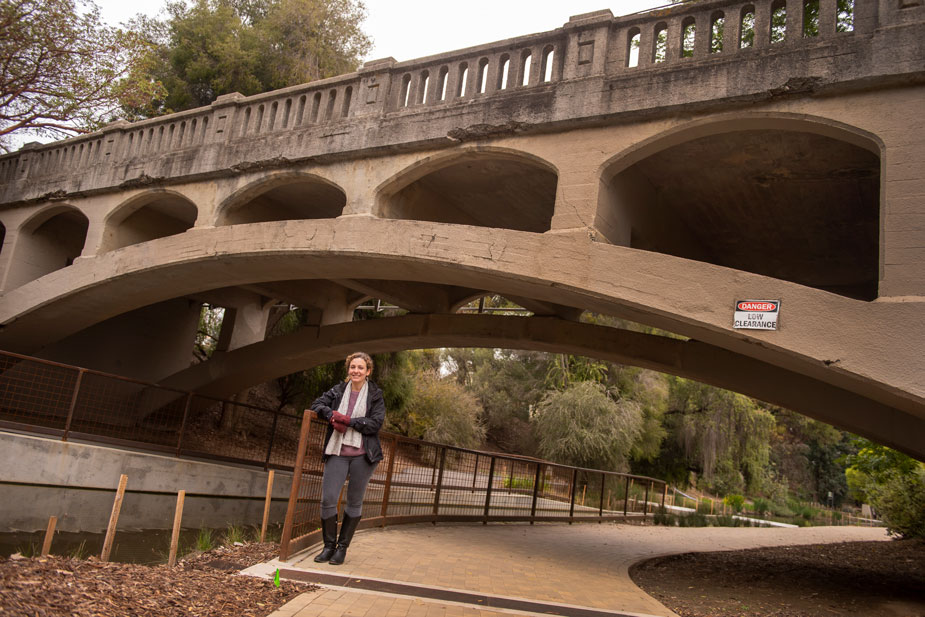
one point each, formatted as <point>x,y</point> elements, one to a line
<point>358,371</point>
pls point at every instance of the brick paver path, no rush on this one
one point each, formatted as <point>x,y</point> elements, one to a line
<point>582,565</point>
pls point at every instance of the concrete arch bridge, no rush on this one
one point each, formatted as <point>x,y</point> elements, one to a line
<point>657,167</point>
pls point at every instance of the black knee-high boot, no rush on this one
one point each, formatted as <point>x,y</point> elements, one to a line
<point>346,534</point>
<point>329,536</point>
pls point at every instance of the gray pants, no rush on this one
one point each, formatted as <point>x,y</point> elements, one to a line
<point>336,470</point>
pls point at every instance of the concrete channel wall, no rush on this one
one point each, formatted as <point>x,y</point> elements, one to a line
<point>77,482</point>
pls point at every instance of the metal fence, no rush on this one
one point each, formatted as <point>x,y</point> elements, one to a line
<point>417,480</point>
<point>64,401</point>
<point>420,481</point>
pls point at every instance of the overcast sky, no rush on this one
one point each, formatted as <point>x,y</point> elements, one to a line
<point>408,29</point>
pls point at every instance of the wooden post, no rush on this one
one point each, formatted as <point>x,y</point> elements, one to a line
<point>175,536</point>
<point>49,534</point>
<point>266,506</point>
<point>114,518</point>
<point>296,483</point>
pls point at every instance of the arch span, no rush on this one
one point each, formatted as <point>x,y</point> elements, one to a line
<point>867,348</point>
<point>228,373</point>
<point>47,242</point>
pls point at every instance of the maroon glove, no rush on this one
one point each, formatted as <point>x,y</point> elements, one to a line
<point>337,416</point>
<point>340,428</point>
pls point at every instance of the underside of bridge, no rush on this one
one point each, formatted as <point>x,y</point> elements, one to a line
<point>660,194</point>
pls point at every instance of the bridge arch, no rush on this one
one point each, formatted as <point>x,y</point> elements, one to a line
<point>732,192</point>
<point>480,186</point>
<point>226,374</point>
<point>49,240</point>
<point>150,215</point>
<point>282,196</point>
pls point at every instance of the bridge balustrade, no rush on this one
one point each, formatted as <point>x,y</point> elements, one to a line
<point>594,44</point>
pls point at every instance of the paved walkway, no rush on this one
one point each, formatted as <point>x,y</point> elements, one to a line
<point>499,570</point>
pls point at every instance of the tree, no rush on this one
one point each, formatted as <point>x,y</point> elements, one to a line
<point>584,426</point>
<point>216,47</point>
<point>63,72</point>
<point>724,435</point>
<point>442,411</point>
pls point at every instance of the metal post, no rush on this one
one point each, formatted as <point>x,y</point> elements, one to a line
<point>536,490</point>
<point>386,493</point>
<point>491,478</point>
<point>433,472</point>
<point>510,481</point>
<point>266,462</point>
<point>439,484</point>
<point>664,495</point>
<point>70,411</point>
<point>475,474</point>
<point>571,508</point>
<point>600,511</point>
<point>186,406</point>
<point>645,503</point>
<point>626,497</point>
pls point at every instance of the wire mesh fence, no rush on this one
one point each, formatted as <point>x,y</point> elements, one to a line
<point>75,403</point>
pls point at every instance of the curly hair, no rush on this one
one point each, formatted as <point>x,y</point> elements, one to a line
<point>362,355</point>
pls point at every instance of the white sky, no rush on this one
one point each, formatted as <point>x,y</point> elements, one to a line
<point>408,29</point>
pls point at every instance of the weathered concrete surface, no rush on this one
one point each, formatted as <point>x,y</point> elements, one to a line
<point>41,475</point>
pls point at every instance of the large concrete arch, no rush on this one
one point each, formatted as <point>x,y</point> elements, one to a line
<point>869,350</point>
<point>226,374</point>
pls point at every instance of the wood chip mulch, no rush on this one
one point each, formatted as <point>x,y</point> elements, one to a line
<point>856,579</point>
<point>201,585</point>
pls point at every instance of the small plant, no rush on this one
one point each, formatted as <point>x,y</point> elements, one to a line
<point>204,541</point>
<point>29,550</point>
<point>705,507</point>
<point>79,551</point>
<point>518,482</point>
<point>274,534</point>
<point>235,534</point>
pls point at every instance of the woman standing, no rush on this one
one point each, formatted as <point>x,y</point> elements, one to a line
<point>354,411</point>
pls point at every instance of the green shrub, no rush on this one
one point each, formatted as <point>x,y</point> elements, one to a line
<point>734,501</point>
<point>705,507</point>
<point>761,506</point>
<point>693,519</point>
<point>901,504</point>
<point>234,534</point>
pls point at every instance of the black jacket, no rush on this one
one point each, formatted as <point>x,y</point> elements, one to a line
<point>367,426</point>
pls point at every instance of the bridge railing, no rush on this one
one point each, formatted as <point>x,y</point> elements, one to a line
<point>420,481</point>
<point>593,44</point>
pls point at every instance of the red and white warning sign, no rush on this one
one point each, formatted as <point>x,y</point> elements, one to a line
<point>756,314</point>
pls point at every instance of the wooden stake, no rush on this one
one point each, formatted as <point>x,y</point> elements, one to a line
<point>175,536</point>
<point>114,518</point>
<point>266,506</point>
<point>49,534</point>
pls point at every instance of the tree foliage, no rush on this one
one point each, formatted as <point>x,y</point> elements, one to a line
<point>215,47</point>
<point>584,426</point>
<point>443,411</point>
<point>724,435</point>
<point>64,71</point>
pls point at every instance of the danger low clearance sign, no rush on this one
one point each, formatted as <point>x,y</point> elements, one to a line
<point>756,314</point>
